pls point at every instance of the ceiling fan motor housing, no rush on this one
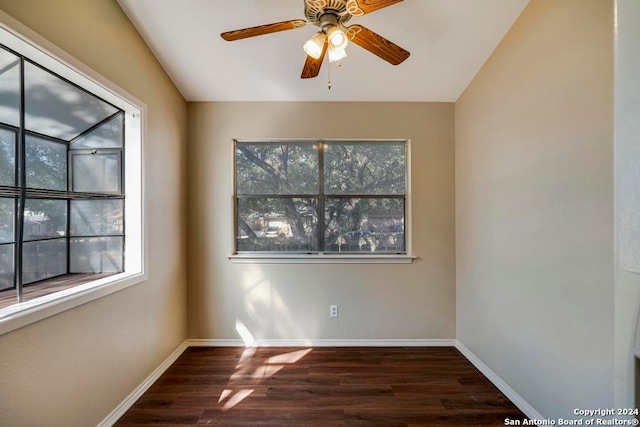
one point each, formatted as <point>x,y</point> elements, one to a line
<point>325,13</point>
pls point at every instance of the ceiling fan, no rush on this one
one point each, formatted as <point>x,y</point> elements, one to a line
<point>331,16</point>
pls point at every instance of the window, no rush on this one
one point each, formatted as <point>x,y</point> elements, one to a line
<point>321,197</point>
<point>65,205</point>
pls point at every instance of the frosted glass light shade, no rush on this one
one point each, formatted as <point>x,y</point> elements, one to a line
<point>313,47</point>
<point>337,38</point>
<point>337,54</point>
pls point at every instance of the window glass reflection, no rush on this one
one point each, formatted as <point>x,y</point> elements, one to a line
<point>56,108</point>
<point>96,172</point>
<point>44,219</point>
<point>43,259</point>
<point>96,217</point>
<point>97,255</point>
<point>107,135</point>
<point>9,88</point>
<point>6,266</point>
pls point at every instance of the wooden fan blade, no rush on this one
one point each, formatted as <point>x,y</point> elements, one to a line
<point>312,66</point>
<point>263,29</point>
<point>361,7</point>
<point>376,44</point>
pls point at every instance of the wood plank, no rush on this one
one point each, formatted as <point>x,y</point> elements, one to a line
<point>322,386</point>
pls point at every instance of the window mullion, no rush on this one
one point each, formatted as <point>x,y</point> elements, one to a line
<point>21,181</point>
<point>68,236</point>
<point>68,207</point>
<point>321,219</point>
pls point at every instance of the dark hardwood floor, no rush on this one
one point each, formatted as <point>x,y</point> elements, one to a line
<point>275,386</point>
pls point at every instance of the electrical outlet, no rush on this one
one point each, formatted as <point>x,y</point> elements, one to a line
<point>333,311</point>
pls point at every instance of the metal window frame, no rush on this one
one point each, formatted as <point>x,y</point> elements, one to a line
<point>96,152</point>
<point>321,196</point>
<point>20,192</point>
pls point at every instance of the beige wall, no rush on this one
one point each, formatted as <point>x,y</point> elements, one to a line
<point>534,208</point>
<point>286,301</point>
<point>627,191</point>
<point>74,368</point>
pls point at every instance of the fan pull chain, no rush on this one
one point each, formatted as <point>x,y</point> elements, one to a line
<point>329,70</point>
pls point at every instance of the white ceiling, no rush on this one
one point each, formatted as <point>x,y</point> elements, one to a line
<point>449,41</point>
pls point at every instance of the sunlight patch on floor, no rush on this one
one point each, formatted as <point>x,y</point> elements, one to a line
<point>236,398</point>
<point>291,357</point>
<point>255,370</point>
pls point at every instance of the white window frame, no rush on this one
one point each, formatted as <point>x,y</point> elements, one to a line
<point>327,257</point>
<point>21,39</point>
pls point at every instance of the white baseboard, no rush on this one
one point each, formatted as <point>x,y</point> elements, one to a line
<point>517,400</point>
<point>128,402</point>
<point>323,343</point>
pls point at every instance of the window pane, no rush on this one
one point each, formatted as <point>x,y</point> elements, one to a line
<point>96,217</point>
<point>276,168</point>
<point>364,168</point>
<point>7,156</point>
<point>107,135</point>
<point>277,224</point>
<point>9,88</point>
<point>44,219</point>
<point>7,207</point>
<point>43,259</point>
<point>56,108</point>
<point>364,224</point>
<point>6,266</point>
<point>96,173</point>
<point>46,164</point>
<point>97,255</point>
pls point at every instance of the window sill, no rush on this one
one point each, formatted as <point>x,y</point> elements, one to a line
<point>319,259</point>
<point>19,315</point>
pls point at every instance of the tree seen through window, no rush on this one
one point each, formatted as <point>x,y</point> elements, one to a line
<point>321,196</point>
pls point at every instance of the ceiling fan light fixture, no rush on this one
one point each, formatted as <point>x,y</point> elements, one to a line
<point>313,47</point>
<point>331,17</point>
<point>337,54</point>
<point>337,38</point>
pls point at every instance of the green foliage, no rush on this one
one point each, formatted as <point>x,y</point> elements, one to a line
<point>7,157</point>
<point>46,164</point>
<point>364,168</point>
<point>277,168</point>
<point>6,220</point>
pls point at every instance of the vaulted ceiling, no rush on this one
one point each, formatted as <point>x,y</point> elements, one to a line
<point>449,41</point>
